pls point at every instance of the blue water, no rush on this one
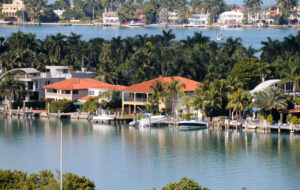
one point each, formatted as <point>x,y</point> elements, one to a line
<point>249,36</point>
<point>119,157</point>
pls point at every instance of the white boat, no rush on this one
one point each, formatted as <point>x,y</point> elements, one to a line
<point>192,125</point>
<point>103,117</point>
<point>260,25</point>
<point>148,121</point>
<point>220,37</point>
<point>135,24</point>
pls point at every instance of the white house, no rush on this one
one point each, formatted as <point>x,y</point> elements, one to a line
<point>235,16</point>
<point>35,80</point>
<point>59,12</point>
<point>198,20</point>
<point>111,19</point>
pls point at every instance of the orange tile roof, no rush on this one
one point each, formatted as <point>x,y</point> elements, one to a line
<point>80,84</point>
<point>85,98</point>
<point>239,10</point>
<point>190,85</point>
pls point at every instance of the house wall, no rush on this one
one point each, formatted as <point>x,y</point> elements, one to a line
<point>61,95</point>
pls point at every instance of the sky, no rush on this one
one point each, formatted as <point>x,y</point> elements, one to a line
<point>240,2</point>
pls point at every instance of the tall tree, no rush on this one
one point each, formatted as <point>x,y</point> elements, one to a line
<point>253,4</point>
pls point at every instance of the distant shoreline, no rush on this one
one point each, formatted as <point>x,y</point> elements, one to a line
<point>150,26</point>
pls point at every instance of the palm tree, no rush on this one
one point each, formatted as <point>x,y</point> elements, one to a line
<point>167,37</point>
<point>187,102</point>
<point>270,50</point>
<point>211,101</point>
<point>55,46</point>
<point>253,4</point>
<point>174,88</point>
<point>11,88</point>
<point>157,94</point>
<point>292,73</point>
<point>272,98</point>
<point>238,101</point>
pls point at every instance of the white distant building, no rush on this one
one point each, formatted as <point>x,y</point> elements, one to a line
<point>111,19</point>
<point>59,12</point>
<point>168,17</point>
<point>198,20</point>
<point>10,10</point>
<point>235,16</point>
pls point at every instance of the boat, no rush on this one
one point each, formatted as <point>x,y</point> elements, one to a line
<point>192,125</point>
<point>135,24</point>
<point>149,121</point>
<point>260,25</point>
<point>103,117</point>
<point>220,37</point>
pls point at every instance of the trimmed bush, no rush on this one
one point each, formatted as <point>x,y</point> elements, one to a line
<point>294,120</point>
<point>184,183</point>
<point>62,105</point>
<point>270,118</point>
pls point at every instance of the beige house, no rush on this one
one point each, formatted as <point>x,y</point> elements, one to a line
<point>135,98</point>
<point>10,10</point>
<point>75,89</point>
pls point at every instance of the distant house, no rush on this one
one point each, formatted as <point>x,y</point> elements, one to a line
<point>10,10</point>
<point>168,17</point>
<point>255,17</point>
<point>294,15</point>
<point>111,19</point>
<point>59,12</point>
<point>77,89</point>
<point>197,20</point>
<point>236,16</point>
<point>135,98</point>
<point>271,16</point>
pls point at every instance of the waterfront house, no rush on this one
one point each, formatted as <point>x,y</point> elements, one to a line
<point>111,19</point>
<point>287,87</point>
<point>59,12</point>
<point>77,89</point>
<point>135,98</point>
<point>235,16</point>
<point>35,80</point>
<point>198,20</point>
<point>294,15</point>
<point>10,10</point>
<point>168,17</point>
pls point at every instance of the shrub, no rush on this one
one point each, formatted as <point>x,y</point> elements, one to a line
<point>288,117</point>
<point>298,101</point>
<point>62,105</point>
<point>91,105</point>
<point>270,118</point>
<point>294,120</point>
<point>184,183</point>
<point>188,115</point>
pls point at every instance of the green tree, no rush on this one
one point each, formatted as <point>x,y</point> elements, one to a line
<point>184,183</point>
<point>253,4</point>
<point>291,73</point>
<point>271,99</point>
<point>173,90</point>
<point>157,94</point>
<point>238,101</point>
<point>12,88</point>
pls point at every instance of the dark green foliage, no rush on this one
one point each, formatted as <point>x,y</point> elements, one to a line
<point>91,105</point>
<point>184,184</point>
<point>43,180</point>
<point>62,105</point>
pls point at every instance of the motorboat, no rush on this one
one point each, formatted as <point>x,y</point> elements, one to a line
<point>135,24</point>
<point>104,117</point>
<point>192,125</point>
<point>149,121</point>
<point>220,37</point>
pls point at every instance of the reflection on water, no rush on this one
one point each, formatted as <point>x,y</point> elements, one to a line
<point>119,157</point>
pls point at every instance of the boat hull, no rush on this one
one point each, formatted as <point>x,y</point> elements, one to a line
<point>192,125</point>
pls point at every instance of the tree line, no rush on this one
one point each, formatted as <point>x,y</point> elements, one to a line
<point>225,68</point>
<point>45,179</point>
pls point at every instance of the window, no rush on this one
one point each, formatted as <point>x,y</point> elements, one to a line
<point>47,82</point>
<point>91,93</point>
<point>67,92</point>
<point>75,91</point>
<point>36,84</point>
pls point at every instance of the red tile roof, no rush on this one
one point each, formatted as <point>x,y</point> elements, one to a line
<point>190,85</point>
<point>80,84</point>
<point>85,98</point>
<point>239,10</point>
